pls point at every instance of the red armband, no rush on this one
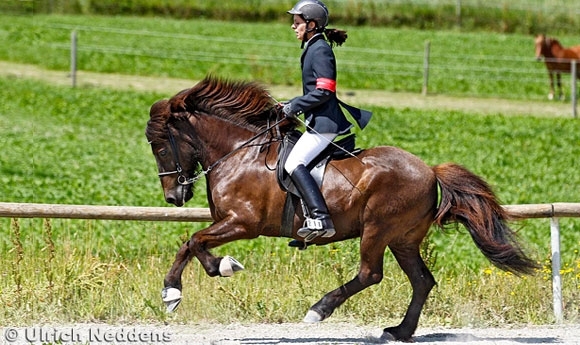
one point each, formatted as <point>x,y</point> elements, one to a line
<point>326,84</point>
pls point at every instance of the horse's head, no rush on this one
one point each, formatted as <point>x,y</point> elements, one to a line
<point>541,46</point>
<point>173,146</point>
<point>214,110</point>
<point>545,46</point>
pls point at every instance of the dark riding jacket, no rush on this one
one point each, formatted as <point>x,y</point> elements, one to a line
<point>319,102</point>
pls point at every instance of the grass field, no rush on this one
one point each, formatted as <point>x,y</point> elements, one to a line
<point>467,64</point>
<point>513,16</point>
<point>86,146</point>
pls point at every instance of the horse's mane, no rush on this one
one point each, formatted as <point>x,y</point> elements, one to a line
<point>546,41</point>
<point>552,41</point>
<point>247,104</point>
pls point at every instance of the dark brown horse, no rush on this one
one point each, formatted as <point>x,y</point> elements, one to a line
<point>558,60</point>
<point>386,196</point>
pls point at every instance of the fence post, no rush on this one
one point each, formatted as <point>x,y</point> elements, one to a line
<point>573,88</point>
<point>426,67</point>
<point>73,58</point>
<point>458,12</point>
<point>556,278</point>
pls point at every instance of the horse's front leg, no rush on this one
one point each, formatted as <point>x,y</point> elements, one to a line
<point>198,246</point>
<point>551,94</point>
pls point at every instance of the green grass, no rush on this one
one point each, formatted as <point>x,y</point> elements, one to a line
<point>522,16</point>
<point>466,64</point>
<point>86,146</point>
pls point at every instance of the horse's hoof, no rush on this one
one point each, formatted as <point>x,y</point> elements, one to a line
<point>171,298</point>
<point>229,265</point>
<point>386,336</point>
<point>391,334</point>
<point>312,317</point>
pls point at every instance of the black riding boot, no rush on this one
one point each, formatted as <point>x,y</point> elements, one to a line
<point>319,223</point>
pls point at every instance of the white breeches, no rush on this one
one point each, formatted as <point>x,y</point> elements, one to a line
<point>307,148</point>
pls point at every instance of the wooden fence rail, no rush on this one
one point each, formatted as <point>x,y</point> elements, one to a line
<point>175,214</point>
<point>553,211</point>
<point>186,214</point>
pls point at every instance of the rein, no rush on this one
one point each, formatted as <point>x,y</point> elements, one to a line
<point>183,180</point>
<point>330,142</point>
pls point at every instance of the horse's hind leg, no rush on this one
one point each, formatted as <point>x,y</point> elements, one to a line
<point>370,272</point>
<point>559,82</point>
<point>422,282</point>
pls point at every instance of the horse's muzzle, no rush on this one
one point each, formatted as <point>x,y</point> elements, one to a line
<point>179,195</point>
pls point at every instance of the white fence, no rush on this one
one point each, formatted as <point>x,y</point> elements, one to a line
<point>554,211</point>
<point>427,69</point>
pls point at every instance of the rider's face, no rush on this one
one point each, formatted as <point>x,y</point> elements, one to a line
<point>299,27</point>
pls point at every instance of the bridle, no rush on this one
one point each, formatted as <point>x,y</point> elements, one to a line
<point>181,178</point>
<point>184,180</point>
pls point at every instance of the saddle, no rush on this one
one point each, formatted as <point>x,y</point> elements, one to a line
<point>341,149</point>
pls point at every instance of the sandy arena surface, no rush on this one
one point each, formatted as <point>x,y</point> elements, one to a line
<point>283,334</point>
<point>347,334</point>
<point>401,100</point>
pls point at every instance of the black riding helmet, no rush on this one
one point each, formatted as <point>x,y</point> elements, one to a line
<point>312,10</point>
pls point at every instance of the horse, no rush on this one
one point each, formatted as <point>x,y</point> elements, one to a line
<point>557,59</point>
<point>229,132</point>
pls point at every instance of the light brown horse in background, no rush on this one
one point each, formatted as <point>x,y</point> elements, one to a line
<point>230,132</point>
<point>558,60</point>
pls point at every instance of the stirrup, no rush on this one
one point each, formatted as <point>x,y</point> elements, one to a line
<point>310,235</point>
<point>314,228</point>
<point>301,245</point>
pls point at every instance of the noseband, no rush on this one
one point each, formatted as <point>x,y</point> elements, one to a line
<point>181,178</point>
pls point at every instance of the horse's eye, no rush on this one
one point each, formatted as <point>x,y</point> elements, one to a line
<point>163,152</point>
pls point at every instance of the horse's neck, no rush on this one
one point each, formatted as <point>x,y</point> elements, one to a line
<point>248,161</point>
<point>223,139</point>
<point>556,49</point>
<point>566,53</point>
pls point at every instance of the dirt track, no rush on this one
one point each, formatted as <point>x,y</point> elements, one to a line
<point>360,97</point>
<point>348,334</point>
<point>282,334</point>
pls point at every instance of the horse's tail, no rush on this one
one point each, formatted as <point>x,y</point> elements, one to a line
<point>468,199</point>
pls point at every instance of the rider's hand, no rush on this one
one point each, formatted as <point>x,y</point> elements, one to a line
<point>287,110</point>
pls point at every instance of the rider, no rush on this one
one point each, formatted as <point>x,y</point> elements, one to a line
<point>324,118</point>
